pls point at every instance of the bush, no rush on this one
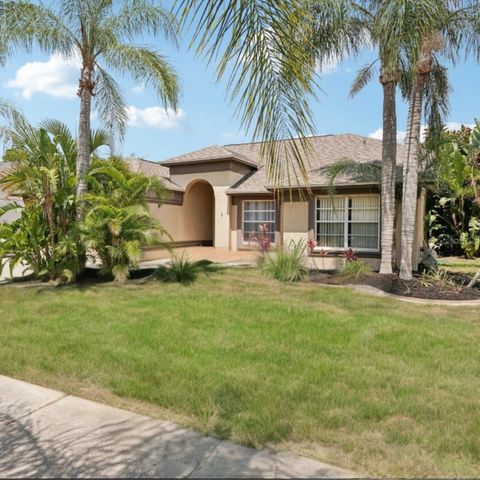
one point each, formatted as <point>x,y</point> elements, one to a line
<point>355,269</point>
<point>182,270</point>
<point>117,222</point>
<point>286,264</point>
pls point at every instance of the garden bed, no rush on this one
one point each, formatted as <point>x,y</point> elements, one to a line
<point>450,286</point>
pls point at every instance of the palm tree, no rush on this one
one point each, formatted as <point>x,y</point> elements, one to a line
<point>42,174</point>
<point>99,33</point>
<point>264,49</point>
<point>442,27</point>
<point>390,31</point>
<point>117,223</point>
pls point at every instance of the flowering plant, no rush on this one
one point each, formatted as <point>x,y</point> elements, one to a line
<point>311,244</point>
<point>262,238</point>
<point>349,255</point>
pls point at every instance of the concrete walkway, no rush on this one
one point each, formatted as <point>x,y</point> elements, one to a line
<point>45,433</point>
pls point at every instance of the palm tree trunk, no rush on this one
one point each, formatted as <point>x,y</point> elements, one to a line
<point>410,166</point>
<point>83,142</point>
<point>389,161</point>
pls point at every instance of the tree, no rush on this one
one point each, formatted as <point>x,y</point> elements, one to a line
<point>264,49</point>
<point>42,174</point>
<point>99,33</point>
<point>117,223</point>
<point>455,216</point>
<point>390,31</point>
<point>442,27</point>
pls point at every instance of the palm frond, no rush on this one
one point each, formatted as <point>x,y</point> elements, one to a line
<point>109,103</point>
<point>264,51</point>
<point>147,67</point>
<point>102,138</point>
<point>28,24</point>
<point>437,93</point>
<point>61,133</point>
<point>137,17</point>
<point>361,171</point>
<point>364,75</point>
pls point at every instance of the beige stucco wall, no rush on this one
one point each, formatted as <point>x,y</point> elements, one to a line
<point>222,217</point>
<point>193,221</point>
<point>294,222</point>
<point>234,232</point>
<point>221,176</point>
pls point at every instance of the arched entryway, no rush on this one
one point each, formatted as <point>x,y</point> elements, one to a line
<point>199,213</point>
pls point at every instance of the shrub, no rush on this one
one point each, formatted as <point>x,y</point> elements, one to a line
<point>262,238</point>
<point>182,270</point>
<point>349,255</point>
<point>355,269</point>
<point>440,278</point>
<point>117,223</point>
<point>286,264</point>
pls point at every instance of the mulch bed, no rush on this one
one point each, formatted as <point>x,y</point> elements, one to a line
<point>414,288</point>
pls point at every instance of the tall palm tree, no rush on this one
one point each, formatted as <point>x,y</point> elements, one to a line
<point>390,32</point>
<point>443,28</point>
<point>99,33</point>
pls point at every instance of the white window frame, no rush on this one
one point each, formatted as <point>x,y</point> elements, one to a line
<point>346,222</point>
<point>247,242</point>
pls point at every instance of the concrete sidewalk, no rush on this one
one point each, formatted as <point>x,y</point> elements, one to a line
<point>45,433</point>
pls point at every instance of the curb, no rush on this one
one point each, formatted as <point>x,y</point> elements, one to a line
<point>420,301</point>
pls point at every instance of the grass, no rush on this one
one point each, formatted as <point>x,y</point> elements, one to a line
<point>460,265</point>
<point>375,385</point>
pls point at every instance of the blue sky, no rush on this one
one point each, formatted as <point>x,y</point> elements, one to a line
<point>44,86</point>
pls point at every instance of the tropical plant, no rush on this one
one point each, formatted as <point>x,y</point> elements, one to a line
<point>41,173</point>
<point>355,269</point>
<point>390,30</point>
<point>266,52</point>
<point>349,255</point>
<point>117,223</point>
<point>262,238</point>
<point>454,216</point>
<point>183,270</point>
<point>286,264</point>
<point>99,34</point>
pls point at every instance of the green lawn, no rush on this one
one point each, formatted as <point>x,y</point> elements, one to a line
<point>376,385</point>
<point>459,264</point>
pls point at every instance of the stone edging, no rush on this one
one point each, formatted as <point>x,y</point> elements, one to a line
<point>421,301</point>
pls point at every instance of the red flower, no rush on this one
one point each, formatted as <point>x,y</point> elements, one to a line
<point>349,255</point>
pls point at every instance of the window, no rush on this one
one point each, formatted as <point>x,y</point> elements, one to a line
<point>256,213</point>
<point>348,222</point>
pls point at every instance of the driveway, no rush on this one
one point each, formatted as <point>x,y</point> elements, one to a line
<point>46,433</point>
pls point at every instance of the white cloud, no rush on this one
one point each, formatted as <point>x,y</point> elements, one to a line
<point>402,134</point>
<point>155,117</point>
<point>138,89</point>
<point>457,125</point>
<point>57,77</point>
<point>378,134</point>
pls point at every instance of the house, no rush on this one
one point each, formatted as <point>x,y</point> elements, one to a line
<point>220,195</point>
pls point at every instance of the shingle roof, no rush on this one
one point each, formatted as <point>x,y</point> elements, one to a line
<point>215,152</point>
<point>153,169</point>
<point>326,150</point>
